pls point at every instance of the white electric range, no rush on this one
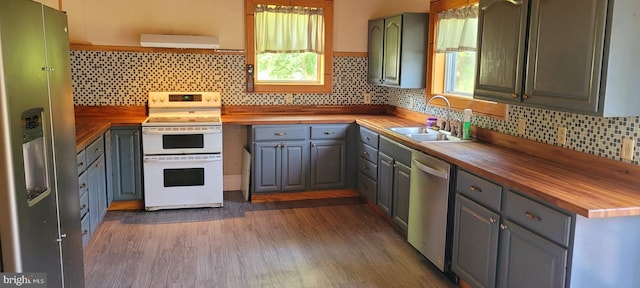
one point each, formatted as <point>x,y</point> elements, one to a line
<point>182,147</point>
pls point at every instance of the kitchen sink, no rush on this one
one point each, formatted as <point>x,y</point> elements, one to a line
<point>423,134</point>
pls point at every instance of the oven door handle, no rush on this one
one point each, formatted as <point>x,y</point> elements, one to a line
<point>186,132</point>
<point>151,160</point>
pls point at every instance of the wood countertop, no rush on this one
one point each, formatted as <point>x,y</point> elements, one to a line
<point>593,192</point>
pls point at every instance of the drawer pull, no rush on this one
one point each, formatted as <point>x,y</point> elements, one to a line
<point>85,232</point>
<point>280,134</point>
<point>475,188</point>
<point>532,216</point>
<point>492,220</point>
<point>84,185</point>
<point>98,150</point>
<point>84,206</point>
<point>80,164</point>
<point>365,153</point>
<point>503,227</point>
<point>329,132</point>
<point>365,167</point>
<point>367,137</point>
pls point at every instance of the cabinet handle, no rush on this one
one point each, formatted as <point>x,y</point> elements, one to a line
<point>492,220</point>
<point>135,133</point>
<point>365,167</point>
<point>277,145</point>
<point>84,206</point>
<point>514,95</point>
<point>313,144</point>
<point>284,146</point>
<point>525,96</point>
<point>84,185</point>
<point>365,153</point>
<point>279,134</point>
<point>80,164</point>
<point>329,132</point>
<point>98,150</point>
<point>503,227</point>
<point>367,137</point>
<point>475,189</point>
<point>99,164</point>
<point>532,216</point>
<point>85,232</point>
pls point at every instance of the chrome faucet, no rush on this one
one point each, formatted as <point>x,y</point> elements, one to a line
<point>448,128</point>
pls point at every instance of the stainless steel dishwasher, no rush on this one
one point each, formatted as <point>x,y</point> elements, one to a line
<point>428,208</point>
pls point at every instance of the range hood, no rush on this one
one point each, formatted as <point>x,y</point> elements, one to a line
<point>179,41</point>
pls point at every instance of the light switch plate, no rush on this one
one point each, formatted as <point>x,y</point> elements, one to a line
<point>627,149</point>
<point>562,135</point>
<point>288,98</point>
<point>522,124</point>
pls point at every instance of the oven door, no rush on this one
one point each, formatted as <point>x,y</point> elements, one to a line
<point>182,181</point>
<point>182,140</point>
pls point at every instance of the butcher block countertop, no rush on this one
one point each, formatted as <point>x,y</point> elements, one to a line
<point>587,185</point>
<point>91,122</point>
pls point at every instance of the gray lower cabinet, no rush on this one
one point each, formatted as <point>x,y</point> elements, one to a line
<point>368,164</point>
<point>328,164</point>
<point>280,166</point>
<point>475,243</point>
<point>97,192</point>
<point>92,187</point>
<point>394,179</point>
<point>126,159</point>
<point>570,55</point>
<point>507,239</point>
<point>529,260</point>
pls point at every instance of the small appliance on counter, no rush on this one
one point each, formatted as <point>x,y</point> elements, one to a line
<point>182,147</point>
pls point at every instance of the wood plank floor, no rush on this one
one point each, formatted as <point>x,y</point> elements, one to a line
<point>310,243</point>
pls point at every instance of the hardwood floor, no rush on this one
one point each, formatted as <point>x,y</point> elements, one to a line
<point>310,243</point>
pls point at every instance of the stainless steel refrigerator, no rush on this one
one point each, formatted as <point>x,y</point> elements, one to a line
<point>39,201</point>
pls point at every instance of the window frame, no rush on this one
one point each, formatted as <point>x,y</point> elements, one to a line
<point>435,79</point>
<point>290,87</point>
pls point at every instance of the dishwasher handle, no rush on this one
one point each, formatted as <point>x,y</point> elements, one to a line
<point>430,170</point>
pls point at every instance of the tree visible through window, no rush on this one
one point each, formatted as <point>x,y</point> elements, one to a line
<point>289,45</point>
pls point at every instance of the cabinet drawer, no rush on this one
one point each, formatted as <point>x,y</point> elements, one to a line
<point>367,187</point>
<point>484,192</point>
<point>82,184</point>
<point>280,132</point>
<point>369,137</point>
<point>329,131</point>
<point>395,150</point>
<point>94,150</point>
<point>542,219</point>
<point>369,153</point>
<point>368,168</point>
<point>81,159</point>
<point>84,204</point>
<point>85,230</point>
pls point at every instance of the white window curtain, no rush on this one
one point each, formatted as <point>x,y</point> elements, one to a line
<point>288,29</point>
<point>457,30</point>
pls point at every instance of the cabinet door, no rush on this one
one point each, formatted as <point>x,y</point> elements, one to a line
<point>385,183</point>
<point>502,28</point>
<point>295,160</point>
<point>266,167</point>
<point>401,184</point>
<point>328,162</point>
<point>376,43</point>
<point>528,260</point>
<point>475,243</point>
<point>564,61</point>
<point>391,51</point>
<point>97,192</point>
<point>127,167</point>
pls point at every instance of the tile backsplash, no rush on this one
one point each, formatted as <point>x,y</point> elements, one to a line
<point>125,78</point>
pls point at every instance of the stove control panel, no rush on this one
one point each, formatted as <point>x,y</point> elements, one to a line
<point>184,99</point>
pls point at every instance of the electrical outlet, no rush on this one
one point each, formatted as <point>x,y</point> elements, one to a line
<point>522,124</point>
<point>288,98</point>
<point>627,149</point>
<point>367,98</point>
<point>562,135</point>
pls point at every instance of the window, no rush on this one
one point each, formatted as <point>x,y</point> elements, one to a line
<point>453,65</point>
<point>289,43</point>
<point>456,38</point>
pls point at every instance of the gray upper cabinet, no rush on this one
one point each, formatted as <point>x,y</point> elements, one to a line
<point>126,163</point>
<point>397,50</point>
<point>571,55</point>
